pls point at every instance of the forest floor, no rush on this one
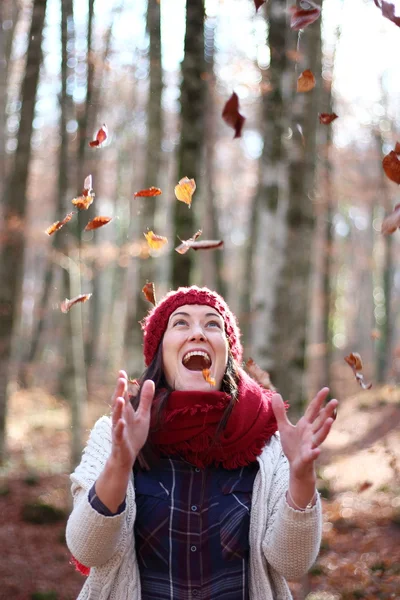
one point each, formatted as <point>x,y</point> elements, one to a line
<point>359,476</point>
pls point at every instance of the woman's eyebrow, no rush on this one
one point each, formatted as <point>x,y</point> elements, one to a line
<point>180,313</point>
<point>213,315</point>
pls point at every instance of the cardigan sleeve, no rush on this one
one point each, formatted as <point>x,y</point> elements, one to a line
<point>293,537</point>
<point>91,537</point>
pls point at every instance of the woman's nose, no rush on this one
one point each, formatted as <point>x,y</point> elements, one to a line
<point>197,333</point>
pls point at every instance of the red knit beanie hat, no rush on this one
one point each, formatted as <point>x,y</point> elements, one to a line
<point>155,324</point>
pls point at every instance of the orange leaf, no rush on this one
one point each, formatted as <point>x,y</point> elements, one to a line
<point>231,115</point>
<point>185,190</point>
<point>67,304</point>
<point>149,292</point>
<point>306,81</point>
<point>262,377</point>
<point>391,166</point>
<point>101,137</point>
<point>58,224</point>
<point>207,377</point>
<point>354,361</point>
<point>184,246</point>
<point>397,148</point>
<point>392,221</point>
<point>327,118</point>
<point>301,17</point>
<point>83,202</point>
<point>155,241</point>
<point>151,191</point>
<point>97,222</point>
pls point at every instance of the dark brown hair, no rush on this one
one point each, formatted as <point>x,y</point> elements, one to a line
<point>155,371</point>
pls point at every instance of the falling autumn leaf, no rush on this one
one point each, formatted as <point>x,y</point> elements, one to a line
<point>147,193</point>
<point>155,241</point>
<point>67,304</point>
<point>149,292</point>
<point>85,200</point>
<point>376,334</point>
<point>101,137</point>
<point>391,222</point>
<point>185,190</point>
<point>231,115</point>
<point>327,118</point>
<point>207,377</point>
<point>301,17</point>
<point>365,485</point>
<point>206,244</point>
<point>258,3</point>
<point>97,222</point>
<point>397,148</point>
<point>58,224</point>
<point>391,166</point>
<point>306,81</point>
<point>388,11</point>
<point>354,361</point>
<point>262,377</point>
<point>185,245</point>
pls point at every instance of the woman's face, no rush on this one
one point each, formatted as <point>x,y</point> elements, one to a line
<point>194,340</point>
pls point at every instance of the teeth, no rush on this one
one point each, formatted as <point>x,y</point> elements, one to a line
<point>196,353</point>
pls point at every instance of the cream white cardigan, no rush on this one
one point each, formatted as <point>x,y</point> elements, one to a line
<point>284,542</point>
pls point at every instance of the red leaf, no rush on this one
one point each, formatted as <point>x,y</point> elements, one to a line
<point>149,292</point>
<point>306,81</point>
<point>392,221</point>
<point>97,222</point>
<point>67,304</point>
<point>301,17</point>
<point>151,191</point>
<point>391,166</point>
<point>231,115</point>
<point>388,10</point>
<point>258,3</point>
<point>327,118</point>
<point>101,137</point>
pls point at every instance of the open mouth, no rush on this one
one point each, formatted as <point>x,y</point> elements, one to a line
<point>197,360</point>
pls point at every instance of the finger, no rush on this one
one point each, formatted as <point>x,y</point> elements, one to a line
<point>328,411</point>
<point>123,374</point>
<point>315,405</point>
<point>321,435</point>
<point>278,407</point>
<point>117,411</point>
<point>146,397</point>
<point>119,431</point>
<point>119,389</point>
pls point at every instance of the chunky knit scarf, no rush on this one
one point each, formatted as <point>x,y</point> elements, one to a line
<point>191,419</point>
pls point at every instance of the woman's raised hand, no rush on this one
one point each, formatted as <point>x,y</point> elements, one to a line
<point>130,427</point>
<point>301,442</point>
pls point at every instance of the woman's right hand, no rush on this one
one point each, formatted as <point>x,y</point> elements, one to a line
<point>130,427</point>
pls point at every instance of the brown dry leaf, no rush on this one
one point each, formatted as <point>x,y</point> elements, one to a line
<point>206,244</point>
<point>67,304</point>
<point>365,485</point>
<point>231,115</point>
<point>207,377</point>
<point>301,17</point>
<point>388,11</point>
<point>185,190</point>
<point>184,246</point>
<point>258,374</point>
<point>97,222</point>
<point>306,81</point>
<point>101,137</point>
<point>58,224</point>
<point>83,202</point>
<point>327,118</point>
<point>155,241</point>
<point>147,193</point>
<point>397,148</point>
<point>149,292</point>
<point>391,222</point>
<point>354,361</point>
<point>391,166</point>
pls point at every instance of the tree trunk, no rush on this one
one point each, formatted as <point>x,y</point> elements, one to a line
<point>289,211</point>
<point>14,205</point>
<point>193,93</point>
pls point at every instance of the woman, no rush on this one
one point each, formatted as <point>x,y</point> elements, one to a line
<point>190,491</point>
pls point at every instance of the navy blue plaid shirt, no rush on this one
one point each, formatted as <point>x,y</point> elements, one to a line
<point>192,530</point>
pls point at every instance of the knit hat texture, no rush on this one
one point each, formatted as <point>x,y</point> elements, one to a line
<point>155,323</point>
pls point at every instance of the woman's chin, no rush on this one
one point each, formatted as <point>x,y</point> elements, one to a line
<point>192,381</point>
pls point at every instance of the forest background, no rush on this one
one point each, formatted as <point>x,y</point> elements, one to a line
<point>298,204</point>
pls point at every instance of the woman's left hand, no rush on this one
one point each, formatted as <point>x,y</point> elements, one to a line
<point>301,442</point>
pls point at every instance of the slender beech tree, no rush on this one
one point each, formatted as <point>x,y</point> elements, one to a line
<point>14,208</point>
<point>193,95</point>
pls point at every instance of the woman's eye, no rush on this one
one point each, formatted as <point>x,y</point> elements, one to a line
<point>180,322</point>
<point>214,324</point>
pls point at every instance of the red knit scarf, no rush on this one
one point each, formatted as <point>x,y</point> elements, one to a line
<point>191,420</point>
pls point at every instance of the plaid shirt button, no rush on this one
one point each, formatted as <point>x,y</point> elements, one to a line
<point>197,470</point>
<point>193,548</point>
<point>194,508</point>
<point>195,592</point>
